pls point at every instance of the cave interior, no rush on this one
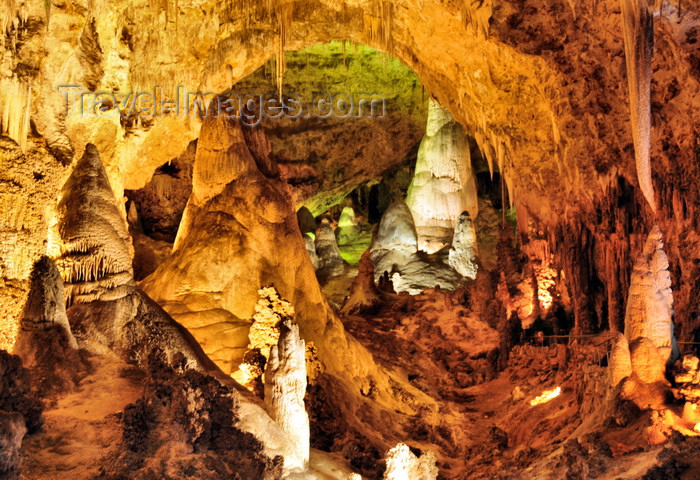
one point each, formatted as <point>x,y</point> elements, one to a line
<point>367,239</point>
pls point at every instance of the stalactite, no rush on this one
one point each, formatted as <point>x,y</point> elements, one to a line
<point>345,63</point>
<point>283,15</point>
<point>638,29</point>
<point>378,25</point>
<point>15,107</point>
<point>476,15</point>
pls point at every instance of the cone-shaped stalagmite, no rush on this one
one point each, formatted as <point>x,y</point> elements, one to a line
<point>109,311</point>
<point>95,251</point>
<point>443,184</point>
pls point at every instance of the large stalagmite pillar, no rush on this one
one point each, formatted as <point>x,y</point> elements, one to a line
<point>649,345</point>
<point>650,301</point>
<point>285,387</point>
<point>443,184</point>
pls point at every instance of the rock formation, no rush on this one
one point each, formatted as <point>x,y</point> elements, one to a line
<point>12,430</point>
<point>463,252</point>
<point>285,387</point>
<point>108,310</point>
<point>330,263</point>
<point>94,253</point>
<point>394,250</point>
<point>402,464</point>
<point>397,230</point>
<point>364,295</point>
<point>46,306</point>
<point>311,250</point>
<point>45,341</point>
<point>638,30</point>
<point>347,226</point>
<point>620,360</point>
<point>648,317</point>
<point>443,184</point>
<point>306,220</point>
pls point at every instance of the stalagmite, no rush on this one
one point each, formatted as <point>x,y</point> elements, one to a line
<point>402,464</point>
<point>443,185</point>
<point>638,29</point>
<point>95,252</point>
<point>347,226</point>
<point>269,312</point>
<point>650,300</point>
<point>620,360</point>
<point>395,250</point>
<point>311,250</point>
<point>330,263</point>
<point>463,253</point>
<point>285,387</point>
<point>364,295</point>
<point>45,308</point>
<point>397,230</point>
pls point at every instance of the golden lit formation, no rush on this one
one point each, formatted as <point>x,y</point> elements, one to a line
<point>367,240</point>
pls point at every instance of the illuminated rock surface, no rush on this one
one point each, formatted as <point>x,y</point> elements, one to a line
<point>648,319</point>
<point>443,184</point>
<point>583,146</point>
<point>330,263</point>
<point>463,252</point>
<point>402,464</point>
<point>285,387</point>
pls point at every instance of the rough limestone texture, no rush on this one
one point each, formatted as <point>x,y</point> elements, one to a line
<point>463,252</point>
<point>269,312</point>
<point>620,360</point>
<point>46,308</point>
<point>311,250</point>
<point>285,387</point>
<point>394,250</point>
<point>93,248</point>
<point>402,464</point>
<point>443,184</point>
<point>648,318</point>
<point>330,263</point>
<point>12,430</point>
<point>364,295</point>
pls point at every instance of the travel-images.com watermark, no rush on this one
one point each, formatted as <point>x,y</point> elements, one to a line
<point>250,108</point>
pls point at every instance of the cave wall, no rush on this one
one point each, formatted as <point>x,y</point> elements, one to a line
<point>542,89</point>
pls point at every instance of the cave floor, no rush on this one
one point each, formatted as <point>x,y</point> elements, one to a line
<point>83,427</point>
